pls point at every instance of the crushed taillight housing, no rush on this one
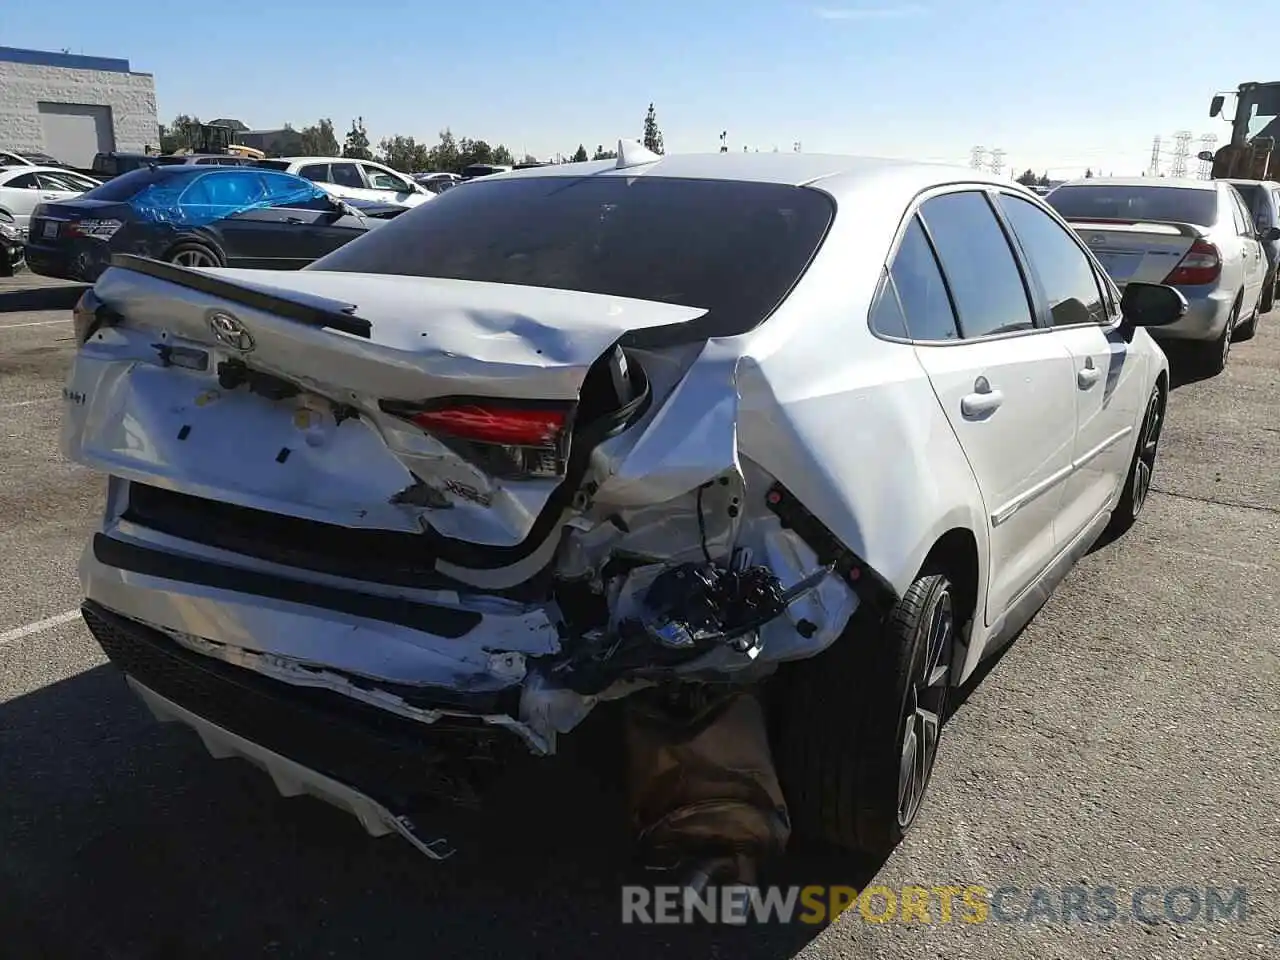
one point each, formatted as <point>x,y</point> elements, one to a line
<point>1202,264</point>
<point>90,314</point>
<point>507,439</point>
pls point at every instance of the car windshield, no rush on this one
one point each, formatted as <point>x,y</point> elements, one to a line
<point>733,248</point>
<point>1111,202</point>
<point>127,186</point>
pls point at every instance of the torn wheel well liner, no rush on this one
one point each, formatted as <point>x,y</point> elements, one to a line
<point>955,553</point>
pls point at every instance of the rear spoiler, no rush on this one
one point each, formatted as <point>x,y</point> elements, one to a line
<point>1168,228</point>
<point>313,311</point>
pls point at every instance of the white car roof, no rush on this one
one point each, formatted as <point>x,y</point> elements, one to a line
<point>325,160</point>
<point>27,168</point>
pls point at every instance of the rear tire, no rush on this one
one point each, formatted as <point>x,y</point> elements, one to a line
<point>862,712</point>
<point>191,254</point>
<point>1214,355</point>
<point>1268,301</point>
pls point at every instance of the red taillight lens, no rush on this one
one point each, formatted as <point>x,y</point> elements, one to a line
<point>1202,264</point>
<point>504,439</point>
<point>480,424</point>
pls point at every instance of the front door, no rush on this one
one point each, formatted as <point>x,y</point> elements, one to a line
<point>1084,315</point>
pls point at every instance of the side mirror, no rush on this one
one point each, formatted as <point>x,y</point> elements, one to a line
<point>1151,305</point>
<point>1215,105</point>
<point>1269,235</point>
<point>1205,155</point>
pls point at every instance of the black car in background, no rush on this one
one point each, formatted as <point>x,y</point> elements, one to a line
<point>196,216</point>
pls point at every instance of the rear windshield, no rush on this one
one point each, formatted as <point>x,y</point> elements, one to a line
<point>127,186</point>
<point>1105,202</point>
<point>730,247</point>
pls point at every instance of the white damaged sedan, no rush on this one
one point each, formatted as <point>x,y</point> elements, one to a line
<point>822,427</point>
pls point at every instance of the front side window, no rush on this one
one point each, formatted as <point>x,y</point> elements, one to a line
<point>1064,272</point>
<point>381,179</point>
<point>978,263</point>
<point>734,249</point>
<point>346,175</point>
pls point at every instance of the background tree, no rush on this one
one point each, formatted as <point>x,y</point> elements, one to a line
<point>1089,172</point>
<point>502,155</point>
<point>579,155</point>
<point>357,142</point>
<point>603,154</point>
<point>473,151</point>
<point>652,135</point>
<point>1044,179</point>
<point>529,158</point>
<point>1027,178</point>
<point>404,154</point>
<point>443,157</point>
<point>319,140</point>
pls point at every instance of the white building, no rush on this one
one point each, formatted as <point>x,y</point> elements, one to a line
<point>72,107</point>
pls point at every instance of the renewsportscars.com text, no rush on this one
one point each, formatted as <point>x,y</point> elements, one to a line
<point>969,904</point>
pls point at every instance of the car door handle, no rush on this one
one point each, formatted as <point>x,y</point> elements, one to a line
<point>293,220</point>
<point>1087,377</point>
<point>982,402</point>
<point>48,196</point>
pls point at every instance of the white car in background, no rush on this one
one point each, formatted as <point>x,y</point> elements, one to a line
<point>354,179</point>
<point>823,429</point>
<point>24,188</point>
<point>1195,235</point>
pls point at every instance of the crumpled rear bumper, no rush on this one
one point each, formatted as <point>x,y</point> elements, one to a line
<point>312,735</point>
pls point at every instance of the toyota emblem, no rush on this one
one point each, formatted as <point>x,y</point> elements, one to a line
<point>231,332</point>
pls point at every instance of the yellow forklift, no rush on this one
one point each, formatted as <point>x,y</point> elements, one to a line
<point>221,140</point>
<point>1255,128</point>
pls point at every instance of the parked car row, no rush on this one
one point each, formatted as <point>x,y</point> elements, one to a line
<point>1199,236</point>
<point>813,435</point>
<point>198,217</point>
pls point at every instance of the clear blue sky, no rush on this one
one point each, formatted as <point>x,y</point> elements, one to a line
<point>1061,86</point>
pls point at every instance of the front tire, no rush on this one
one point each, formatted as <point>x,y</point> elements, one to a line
<point>861,722</point>
<point>1142,468</point>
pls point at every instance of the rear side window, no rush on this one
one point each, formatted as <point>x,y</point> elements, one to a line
<point>226,189</point>
<point>285,190</point>
<point>922,294</point>
<point>318,172</point>
<point>1063,270</point>
<point>978,263</point>
<point>129,185</point>
<point>732,248</point>
<point>1161,204</point>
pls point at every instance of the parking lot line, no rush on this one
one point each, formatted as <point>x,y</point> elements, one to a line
<point>37,323</point>
<point>40,626</point>
<point>13,405</point>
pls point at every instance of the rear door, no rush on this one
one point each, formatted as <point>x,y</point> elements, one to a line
<point>19,194</point>
<point>1084,316</point>
<point>1006,385</point>
<point>390,187</point>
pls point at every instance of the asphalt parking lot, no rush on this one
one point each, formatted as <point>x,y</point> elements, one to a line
<point>1128,739</point>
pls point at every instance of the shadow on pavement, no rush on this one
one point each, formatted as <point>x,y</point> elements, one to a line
<point>40,298</point>
<point>121,838</point>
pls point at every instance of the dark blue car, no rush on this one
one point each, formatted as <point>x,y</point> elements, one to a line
<point>196,216</point>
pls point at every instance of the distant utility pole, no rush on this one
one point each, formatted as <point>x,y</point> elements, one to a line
<point>1181,150</point>
<point>796,146</point>
<point>1207,143</point>
<point>977,157</point>
<point>997,161</point>
<point>724,148</point>
<point>1154,169</point>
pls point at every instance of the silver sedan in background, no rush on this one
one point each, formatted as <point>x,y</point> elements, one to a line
<point>1196,235</point>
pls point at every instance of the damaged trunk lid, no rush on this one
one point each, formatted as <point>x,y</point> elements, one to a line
<point>453,408</point>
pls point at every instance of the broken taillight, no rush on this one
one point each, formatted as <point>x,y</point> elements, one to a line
<point>511,440</point>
